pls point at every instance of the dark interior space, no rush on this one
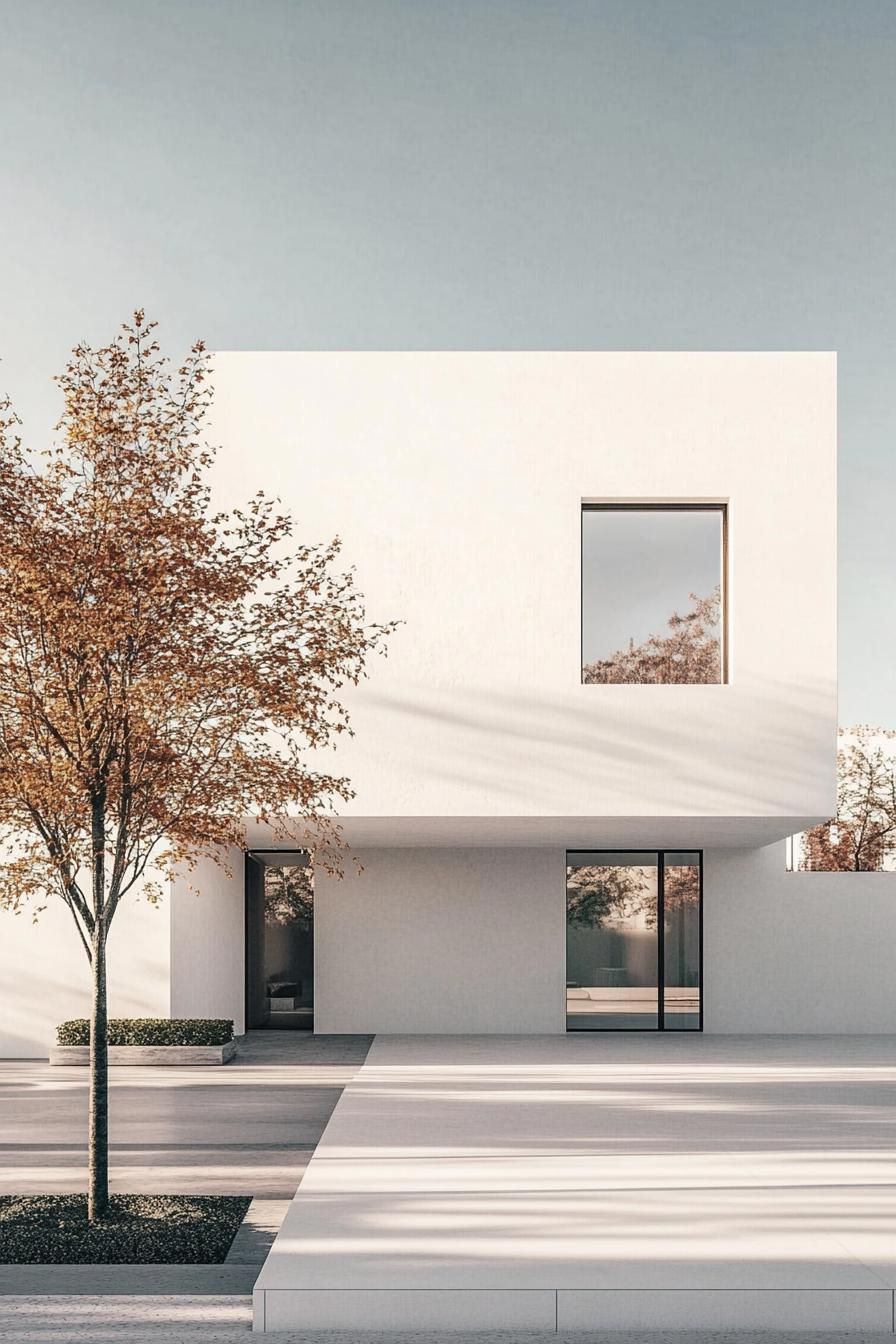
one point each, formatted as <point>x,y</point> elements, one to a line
<point>279,941</point>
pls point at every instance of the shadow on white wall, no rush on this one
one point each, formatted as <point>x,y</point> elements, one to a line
<point>46,977</point>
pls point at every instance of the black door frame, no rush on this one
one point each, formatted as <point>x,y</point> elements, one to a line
<point>660,934</point>
<point>248,858</point>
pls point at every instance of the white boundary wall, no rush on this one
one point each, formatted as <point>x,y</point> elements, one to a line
<point>796,952</point>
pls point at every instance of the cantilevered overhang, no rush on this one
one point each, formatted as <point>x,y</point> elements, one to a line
<point>563,832</point>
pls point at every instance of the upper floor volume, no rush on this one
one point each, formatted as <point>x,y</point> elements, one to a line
<point>616,574</point>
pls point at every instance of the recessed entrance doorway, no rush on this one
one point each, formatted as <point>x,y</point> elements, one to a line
<point>279,940</point>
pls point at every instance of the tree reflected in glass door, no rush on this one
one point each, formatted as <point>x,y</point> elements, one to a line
<point>633,933</point>
<point>611,942</point>
<point>681,942</point>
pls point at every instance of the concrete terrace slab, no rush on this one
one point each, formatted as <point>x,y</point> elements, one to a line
<point>585,1182</point>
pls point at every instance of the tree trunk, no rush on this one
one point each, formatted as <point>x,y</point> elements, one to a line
<point>98,1122</point>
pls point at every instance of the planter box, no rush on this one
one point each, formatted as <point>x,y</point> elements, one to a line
<point>164,1055</point>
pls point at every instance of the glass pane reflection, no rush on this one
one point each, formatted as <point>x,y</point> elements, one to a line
<point>681,942</point>
<point>611,942</point>
<point>614,952</point>
<point>652,594</point>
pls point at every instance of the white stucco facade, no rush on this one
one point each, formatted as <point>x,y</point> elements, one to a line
<point>456,483</point>
<point>426,940</point>
<point>433,940</point>
<point>208,941</point>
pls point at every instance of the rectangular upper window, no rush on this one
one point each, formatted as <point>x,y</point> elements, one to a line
<point>653,594</point>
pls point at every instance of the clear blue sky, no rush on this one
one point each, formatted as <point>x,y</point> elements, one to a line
<point>647,174</point>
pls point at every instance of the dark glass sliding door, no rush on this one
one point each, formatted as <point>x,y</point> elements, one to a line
<point>633,940</point>
<point>279,940</point>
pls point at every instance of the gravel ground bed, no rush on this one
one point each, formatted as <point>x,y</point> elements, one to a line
<point>139,1229</point>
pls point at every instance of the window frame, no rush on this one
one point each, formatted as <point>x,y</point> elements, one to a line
<point>720,506</point>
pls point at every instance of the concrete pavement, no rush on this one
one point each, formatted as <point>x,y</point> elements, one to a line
<point>622,1181</point>
<point>226,1320</point>
<point>248,1127</point>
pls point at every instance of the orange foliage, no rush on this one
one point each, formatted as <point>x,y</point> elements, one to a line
<point>863,832</point>
<point>164,671</point>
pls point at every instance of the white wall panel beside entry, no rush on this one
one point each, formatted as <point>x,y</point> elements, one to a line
<point>442,940</point>
<point>208,942</point>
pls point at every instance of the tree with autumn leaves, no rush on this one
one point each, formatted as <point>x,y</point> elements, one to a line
<point>863,834</point>
<point>164,670</point>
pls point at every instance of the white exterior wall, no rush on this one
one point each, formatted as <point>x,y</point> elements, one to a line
<point>442,940</point>
<point>796,952</point>
<point>468,941</point>
<point>208,941</point>
<point>456,482</point>
<point>45,976</point>
<point>474,941</point>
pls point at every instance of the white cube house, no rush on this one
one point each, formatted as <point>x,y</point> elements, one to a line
<point>527,515</point>
<point>611,697</point>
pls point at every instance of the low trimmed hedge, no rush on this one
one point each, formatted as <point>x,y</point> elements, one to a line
<point>151,1031</point>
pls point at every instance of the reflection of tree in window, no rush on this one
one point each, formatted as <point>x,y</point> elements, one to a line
<point>689,653</point>
<point>288,896</point>
<point>681,896</point>
<point>681,887</point>
<point>599,896</point>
